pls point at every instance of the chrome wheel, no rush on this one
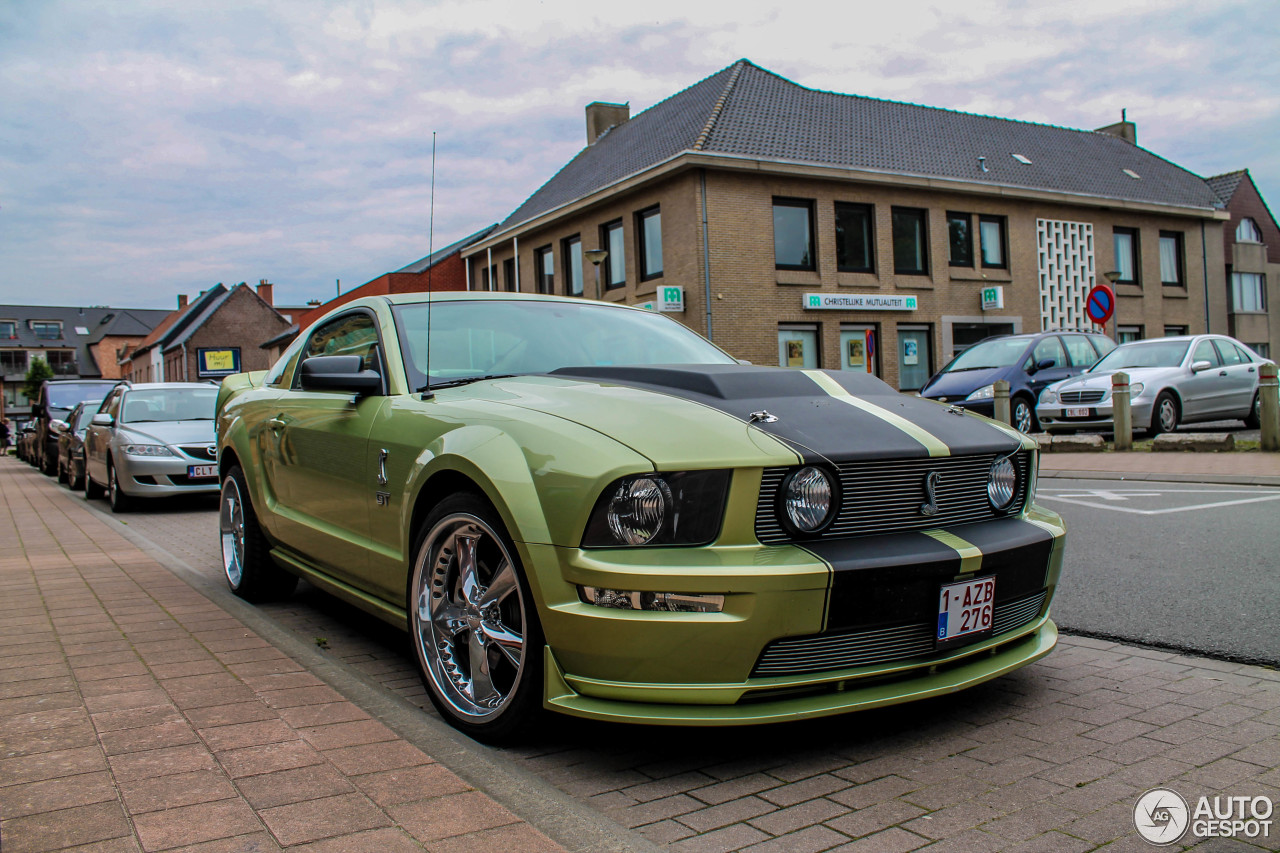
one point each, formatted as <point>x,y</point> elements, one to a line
<point>470,618</point>
<point>231,528</point>
<point>1023,418</point>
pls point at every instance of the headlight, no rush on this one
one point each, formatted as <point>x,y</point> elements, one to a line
<point>1049,397</point>
<point>808,499</point>
<point>986,392</point>
<point>151,450</point>
<point>667,602</point>
<point>1135,388</point>
<point>1002,483</point>
<point>681,508</point>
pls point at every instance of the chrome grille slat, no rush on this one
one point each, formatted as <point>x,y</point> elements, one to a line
<point>825,652</point>
<point>894,493</point>
<point>1082,396</point>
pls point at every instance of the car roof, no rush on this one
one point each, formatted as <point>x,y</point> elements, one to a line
<point>151,386</point>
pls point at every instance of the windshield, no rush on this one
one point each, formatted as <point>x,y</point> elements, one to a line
<point>152,405</point>
<point>996,352</point>
<point>66,396</point>
<point>1143,354</point>
<point>471,339</point>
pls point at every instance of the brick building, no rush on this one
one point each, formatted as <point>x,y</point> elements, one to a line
<point>217,333</point>
<point>812,228</point>
<point>1251,248</point>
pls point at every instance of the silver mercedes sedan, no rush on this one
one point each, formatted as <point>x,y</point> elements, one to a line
<point>1172,381</point>
<point>152,440</point>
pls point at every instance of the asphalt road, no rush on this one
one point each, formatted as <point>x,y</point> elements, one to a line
<point>1177,565</point>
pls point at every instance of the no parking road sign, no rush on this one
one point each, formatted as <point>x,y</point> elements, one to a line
<point>1100,304</point>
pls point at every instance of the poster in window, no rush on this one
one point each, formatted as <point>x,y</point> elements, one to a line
<point>795,352</point>
<point>856,358</point>
<point>910,352</point>
<point>217,362</point>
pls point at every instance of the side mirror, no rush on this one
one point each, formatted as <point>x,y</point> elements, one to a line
<point>1046,363</point>
<point>339,373</point>
<point>103,419</point>
<point>1199,366</point>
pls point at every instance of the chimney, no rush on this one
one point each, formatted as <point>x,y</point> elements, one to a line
<point>182,301</point>
<point>1125,129</point>
<point>265,289</point>
<point>602,116</point>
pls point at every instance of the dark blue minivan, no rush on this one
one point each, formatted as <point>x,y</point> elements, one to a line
<point>1029,362</point>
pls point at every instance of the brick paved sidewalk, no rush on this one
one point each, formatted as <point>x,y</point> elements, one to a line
<point>136,714</point>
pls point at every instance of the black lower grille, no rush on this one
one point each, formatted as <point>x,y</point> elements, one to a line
<point>825,652</point>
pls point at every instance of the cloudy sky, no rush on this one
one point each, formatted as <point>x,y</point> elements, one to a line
<point>154,148</point>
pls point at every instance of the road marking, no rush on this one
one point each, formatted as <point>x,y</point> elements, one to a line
<point>1113,496</point>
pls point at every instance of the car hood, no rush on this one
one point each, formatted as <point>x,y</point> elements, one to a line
<point>962,383</point>
<point>1096,381</point>
<point>170,432</point>
<point>668,412</point>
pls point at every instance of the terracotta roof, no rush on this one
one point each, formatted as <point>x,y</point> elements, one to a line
<point>747,111</point>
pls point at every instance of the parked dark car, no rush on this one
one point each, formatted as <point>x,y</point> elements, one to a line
<point>71,444</point>
<point>25,441</point>
<point>57,398</point>
<point>1028,362</point>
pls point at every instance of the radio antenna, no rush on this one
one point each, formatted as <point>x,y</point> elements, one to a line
<point>427,393</point>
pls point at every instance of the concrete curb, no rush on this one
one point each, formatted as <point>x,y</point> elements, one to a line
<point>1207,479</point>
<point>560,817</point>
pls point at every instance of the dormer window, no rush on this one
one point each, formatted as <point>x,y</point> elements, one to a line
<point>8,330</point>
<point>1247,231</point>
<point>46,330</point>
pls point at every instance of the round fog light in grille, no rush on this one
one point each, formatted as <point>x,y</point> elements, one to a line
<point>1002,482</point>
<point>638,509</point>
<point>807,499</point>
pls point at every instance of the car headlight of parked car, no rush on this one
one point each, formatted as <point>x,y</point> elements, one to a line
<point>682,508</point>
<point>1049,397</point>
<point>986,392</point>
<point>150,450</point>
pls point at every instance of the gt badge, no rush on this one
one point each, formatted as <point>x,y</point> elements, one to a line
<point>930,505</point>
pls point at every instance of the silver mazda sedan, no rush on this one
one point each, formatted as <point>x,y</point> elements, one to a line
<point>152,440</point>
<point>1178,380</point>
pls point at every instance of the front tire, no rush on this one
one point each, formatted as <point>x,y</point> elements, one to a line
<point>120,502</point>
<point>473,623</point>
<point>1165,414</point>
<point>1253,420</point>
<point>63,476</point>
<point>1023,415</point>
<point>246,554</point>
<point>92,490</point>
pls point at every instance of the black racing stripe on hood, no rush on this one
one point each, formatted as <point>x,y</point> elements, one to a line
<point>818,425</point>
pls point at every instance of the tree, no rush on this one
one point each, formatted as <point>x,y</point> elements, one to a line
<point>36,375</point>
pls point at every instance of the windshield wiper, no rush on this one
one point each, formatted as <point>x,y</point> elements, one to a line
<point>979,367</point>
<point>465,380</point>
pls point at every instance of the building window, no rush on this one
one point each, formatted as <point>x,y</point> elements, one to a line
<point>1248,292</point>
<point>960,239</point>
<point>855,243</point>
<point>910,242</point>
<point>46,330</point>
<point>544,269</point>
<point>793,234</point>
<point>1172,270</point>
<point>1125,241</point>
<point>615,263</point>
<point>992,239</point>
<point>1262,349</point>
<point>13,361</point>
<point>509,275</point>
<point>650,232</point>
<point>1127,334</point>
<point>858,349</point>
<point>1247,231</point>
<point>61,361</point>
<point>488,278</point>
<point>915,357</point>
<point>798,346</point>
<point>573,265</point>
<point>1174,331</point>
<point>8,329</point>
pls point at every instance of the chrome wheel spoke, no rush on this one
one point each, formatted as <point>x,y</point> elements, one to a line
<point>449,620</point>
<point>503,584</point>
<point>482,691</point>
<point>508,643</point>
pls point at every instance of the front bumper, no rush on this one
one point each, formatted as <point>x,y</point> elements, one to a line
<point>768,656</point>
<point>147,477</point>
<point>1053,417</point>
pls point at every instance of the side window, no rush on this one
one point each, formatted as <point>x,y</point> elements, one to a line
<point>350,334</point>
<point>1228,352</point>
<point>1079,350</point>
<point>112,406</point>
<point>1205,352</point>
<point>1049,348</point>
<point>1106,345</point>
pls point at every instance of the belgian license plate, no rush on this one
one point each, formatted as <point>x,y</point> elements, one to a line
<point>198,472</point>
<point>1077,413</point>
<point>966,608</point>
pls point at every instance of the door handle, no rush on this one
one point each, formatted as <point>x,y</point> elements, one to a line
<point>1222,373</point>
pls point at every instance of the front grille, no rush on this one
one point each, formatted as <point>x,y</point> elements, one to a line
<point>1082,396</point>
<point>885,497</point>
<point>200,451</point>
<point>826,652</point>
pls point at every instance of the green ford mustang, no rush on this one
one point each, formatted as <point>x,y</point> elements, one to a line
<point>589,508</point>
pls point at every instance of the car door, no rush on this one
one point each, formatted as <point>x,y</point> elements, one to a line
<point>97,438</point>
<point>1241,378</point>
<point>1047,348</point>
<point>1201,391</point>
